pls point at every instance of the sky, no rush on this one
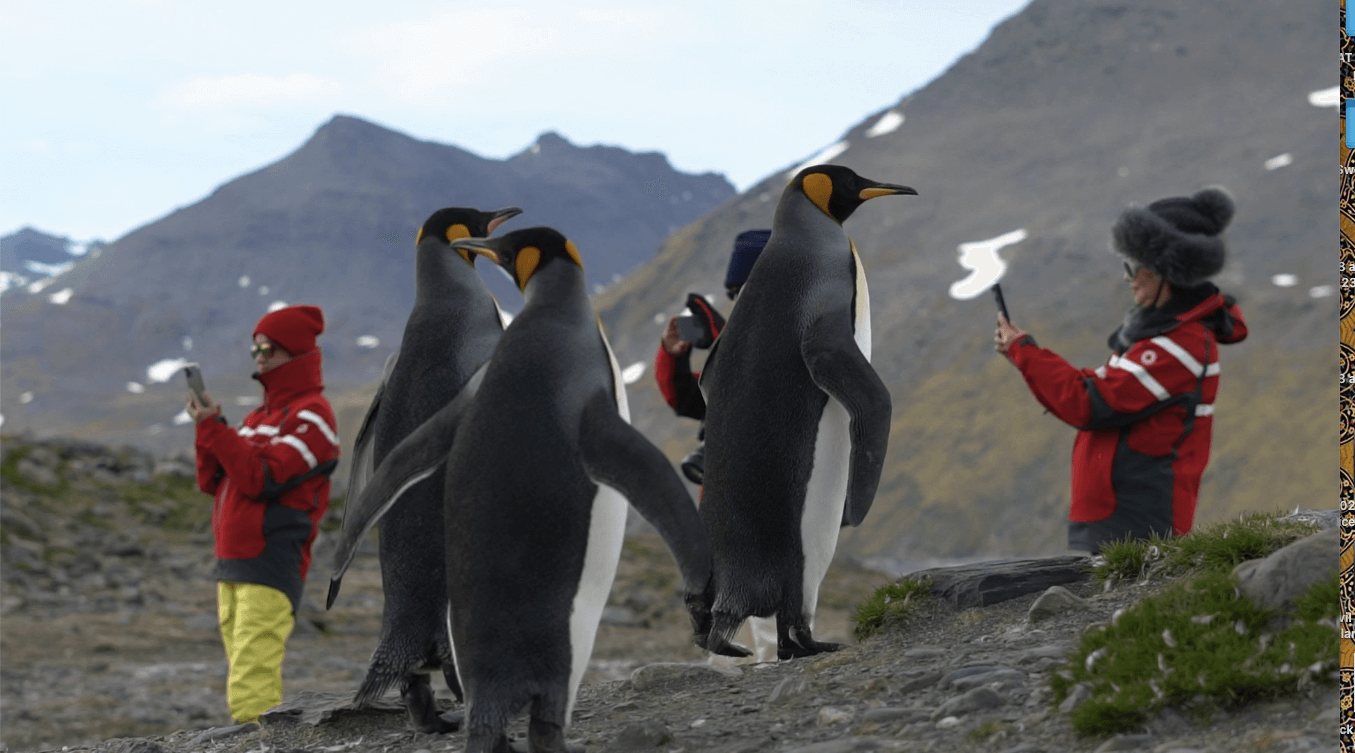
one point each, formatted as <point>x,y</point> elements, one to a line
<point>113,114</point>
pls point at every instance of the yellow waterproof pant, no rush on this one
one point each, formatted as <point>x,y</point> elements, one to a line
<point>255,623</point>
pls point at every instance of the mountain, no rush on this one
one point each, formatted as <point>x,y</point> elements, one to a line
<point>29,255</point>
<point>1070,111</point>
<point>333,224</point>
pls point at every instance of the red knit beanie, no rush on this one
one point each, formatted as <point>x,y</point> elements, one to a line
<point>293,327</point>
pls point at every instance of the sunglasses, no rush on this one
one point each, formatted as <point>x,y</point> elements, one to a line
<point>261,349</point>
<point>1132,269</point>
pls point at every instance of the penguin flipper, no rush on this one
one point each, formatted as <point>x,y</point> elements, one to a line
<point>362,468</point>
<point>414,459</point>
<point>840,369</point>
<point>615,454</point>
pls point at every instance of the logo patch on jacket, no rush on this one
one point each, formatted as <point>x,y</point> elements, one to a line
<point>1149,357</point>
<point>302,428</point>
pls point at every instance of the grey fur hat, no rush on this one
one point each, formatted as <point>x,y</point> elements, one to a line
<point>1177,237</point>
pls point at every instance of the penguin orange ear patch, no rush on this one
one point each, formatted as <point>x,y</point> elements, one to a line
<point>573,252</point>
<point>418,237</point>
<point>819,188</point>
<point>457,231</point>
<point>528,258</point>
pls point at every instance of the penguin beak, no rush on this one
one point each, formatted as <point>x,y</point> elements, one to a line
<point>479,246</point>
<point>503,215</point>
<point>885,189</point>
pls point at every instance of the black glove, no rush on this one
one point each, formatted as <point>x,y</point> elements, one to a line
<point>707,320</point>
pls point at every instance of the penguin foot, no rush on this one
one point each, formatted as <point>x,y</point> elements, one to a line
<point>730,649</point>
<point>698,609</point>
<point>417,693</point>
<point>795,650</point>
<point>794,640</point>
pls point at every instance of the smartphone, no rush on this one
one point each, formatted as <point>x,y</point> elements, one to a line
<point>1001,303</point>
<point>689,330</point>
<point>193,374</point>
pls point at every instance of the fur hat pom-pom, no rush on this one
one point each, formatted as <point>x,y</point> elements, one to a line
<point>1214,205</point>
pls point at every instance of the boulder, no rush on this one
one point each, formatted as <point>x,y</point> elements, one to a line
<point>673,675</point>
<point>1272,582</point>
<point>1054,601</point>
<point>983,584</point>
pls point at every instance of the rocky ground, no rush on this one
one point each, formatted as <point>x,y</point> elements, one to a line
<point>109,644</point>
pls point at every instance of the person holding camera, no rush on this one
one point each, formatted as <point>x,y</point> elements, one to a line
<point>698,329</point>
<point>1146,416</point>
<point>270,480</point>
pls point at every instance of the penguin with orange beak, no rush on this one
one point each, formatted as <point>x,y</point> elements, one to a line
<point>797,421</point>
<point>540,462</point>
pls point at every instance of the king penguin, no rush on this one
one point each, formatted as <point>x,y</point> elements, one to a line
<point>451,331</point>
<point>797,421</point>
<point>541,463</point>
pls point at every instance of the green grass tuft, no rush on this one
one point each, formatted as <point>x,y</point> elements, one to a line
<point>1227,544</point>
<point>189,509</point>
<point>1323,600</point>
<point>891,604</point>
<point>1198,645</point>
<point>9,474</point>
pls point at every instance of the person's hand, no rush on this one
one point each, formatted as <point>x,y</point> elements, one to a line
<point>200,412</point>
<point>673,344</point>
<point>1005,335</point>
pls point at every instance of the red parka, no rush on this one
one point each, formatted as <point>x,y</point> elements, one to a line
<point>677,381</point>
<point>1145,418</point>
<point>270,478</point>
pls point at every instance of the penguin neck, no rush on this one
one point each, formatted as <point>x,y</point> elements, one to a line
<point>440,272</point>
<point>558,284</point>
<point>797,215</point>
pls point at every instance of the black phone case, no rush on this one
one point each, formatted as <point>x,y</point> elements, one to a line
<point>689,330</point>
<point>1001,302</point>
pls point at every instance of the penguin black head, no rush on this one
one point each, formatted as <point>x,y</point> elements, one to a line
<point>523,252</point>
<point>452,223</point>
<point>838,191</point>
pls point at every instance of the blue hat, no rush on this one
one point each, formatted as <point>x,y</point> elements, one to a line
<point>746,249</point>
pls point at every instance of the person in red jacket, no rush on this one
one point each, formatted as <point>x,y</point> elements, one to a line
<point>1145,417</point>
<point>672,363</point>
<point>270,480</point>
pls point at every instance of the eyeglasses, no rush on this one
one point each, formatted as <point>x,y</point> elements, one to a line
<point>264,349</point>
<point>1131,269</point>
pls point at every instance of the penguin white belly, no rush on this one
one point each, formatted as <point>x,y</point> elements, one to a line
<point>826,493</point>
<point>606,530</point>
<point>825,497</point>
<point>861,316</point>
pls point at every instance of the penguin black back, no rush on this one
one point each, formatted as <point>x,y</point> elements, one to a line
<point>797,421</point>
<point>539,464</point>
<point>452,329</point>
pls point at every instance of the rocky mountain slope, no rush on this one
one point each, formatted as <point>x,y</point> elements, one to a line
<point>1070,111</point>
<point>1067,113</point>
<point>109,642</point>
<point>332,224</point>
